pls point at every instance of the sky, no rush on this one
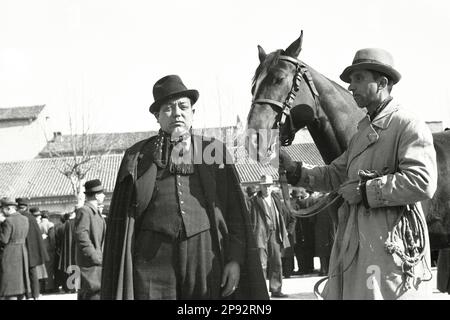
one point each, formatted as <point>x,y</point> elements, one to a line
<point>96,61</point>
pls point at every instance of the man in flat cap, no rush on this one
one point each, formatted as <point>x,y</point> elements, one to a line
<point>90,230</point>
<point>37,254</point>
<point>14,277</point>
<point>178,227</point>
<point>381,249</point>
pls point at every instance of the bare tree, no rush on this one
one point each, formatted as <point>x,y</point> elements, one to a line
<point>78,157</point>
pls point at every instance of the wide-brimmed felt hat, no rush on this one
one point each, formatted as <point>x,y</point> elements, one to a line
<point>266,179</point>
<point>170,87</point>
<point>93,186</point>
<point>4,202</point>
<point>372,59</point>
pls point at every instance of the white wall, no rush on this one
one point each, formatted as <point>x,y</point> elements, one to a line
<point>22,140</point>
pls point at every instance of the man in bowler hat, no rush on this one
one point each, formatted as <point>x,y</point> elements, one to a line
<point>388,168</point>
<point>178,228</point>
<point>90,229</point>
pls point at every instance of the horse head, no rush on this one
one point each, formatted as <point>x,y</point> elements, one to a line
<point>284,99</point>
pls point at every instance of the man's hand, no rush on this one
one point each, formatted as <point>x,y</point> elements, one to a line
<point>293,169</point>
<point>350,192</point>
<point>230,278</point>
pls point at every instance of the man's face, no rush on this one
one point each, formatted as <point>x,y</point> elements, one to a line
<point>364,87</point>
<point>265,189</point>
<point>176,115</point>
<point>22,208</point>
<point>100,197</point>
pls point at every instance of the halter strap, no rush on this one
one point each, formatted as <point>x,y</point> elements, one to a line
<point>301,72</point>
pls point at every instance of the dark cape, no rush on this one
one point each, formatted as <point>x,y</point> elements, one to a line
<point>35,244</point>
<point>132,194</point>
<point>66,246</point>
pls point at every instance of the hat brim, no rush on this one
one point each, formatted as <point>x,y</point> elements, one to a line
<point>6,204</point>
<point>97,189</point>
<point>192,94</point>
<point>388,70</point>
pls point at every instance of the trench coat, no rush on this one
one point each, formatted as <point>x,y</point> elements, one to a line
<point>225,206</point>
<point>89,236</point>
<point>402,147</point>
<point>14,278</point>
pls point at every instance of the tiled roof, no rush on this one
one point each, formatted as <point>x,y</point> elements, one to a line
<point>20,113</point>
<point>250,171</point>
<point>40,178</point>
<point>113,142</point>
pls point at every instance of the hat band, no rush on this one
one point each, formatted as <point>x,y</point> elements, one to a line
<point>94,189</point>
<point>370,61</point>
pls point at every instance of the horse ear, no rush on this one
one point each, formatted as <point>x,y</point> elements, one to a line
<point>262,54</point>
<point>294,49</point>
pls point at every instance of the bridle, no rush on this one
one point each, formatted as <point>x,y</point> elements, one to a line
<point>301,73</point>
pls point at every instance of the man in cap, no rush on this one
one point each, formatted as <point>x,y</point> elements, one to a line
<point>37,254</point>
<point>389,166</point>
<point>14,279</point>
<point>181,215</point>
<point>90,229</point>
<point>267,213</point>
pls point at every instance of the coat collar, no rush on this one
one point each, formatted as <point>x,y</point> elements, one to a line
<point>383,119</point>
<point>90,205</point>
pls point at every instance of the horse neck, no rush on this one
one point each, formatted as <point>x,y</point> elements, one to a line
<point>337,118</point>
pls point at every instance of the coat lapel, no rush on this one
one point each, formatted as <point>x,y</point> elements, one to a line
<point>369,132</point>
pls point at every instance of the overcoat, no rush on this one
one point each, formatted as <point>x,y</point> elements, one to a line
<point>14,278</point>
<point>258,216</point>
<point>400,147</point>
<point>225,206</point>
<point>90,230</point>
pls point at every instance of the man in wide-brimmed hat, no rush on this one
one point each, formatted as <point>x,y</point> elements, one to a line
<point>270,219</point>
<point>90,230</point>
<point>389,167</point>
<point>182,216</point>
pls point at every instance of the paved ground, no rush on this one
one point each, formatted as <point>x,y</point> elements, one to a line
<point>298,288</point>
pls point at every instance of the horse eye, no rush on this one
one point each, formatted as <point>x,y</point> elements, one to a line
<point>279,80</point>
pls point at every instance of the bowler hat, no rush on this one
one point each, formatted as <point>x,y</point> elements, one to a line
<point>372,59</point>
<point>22,201</point>
<point>266,179</point>
<point>169,87</point>
<point>7,202</point>
<point>93,186</point>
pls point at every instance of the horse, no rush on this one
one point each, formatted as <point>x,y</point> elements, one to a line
<point>289,95</point>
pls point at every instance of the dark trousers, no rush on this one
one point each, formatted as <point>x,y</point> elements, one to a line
<point>304,248</point>
<point>270,257</point>
<point>168,269</point>
<point>34,281</point>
